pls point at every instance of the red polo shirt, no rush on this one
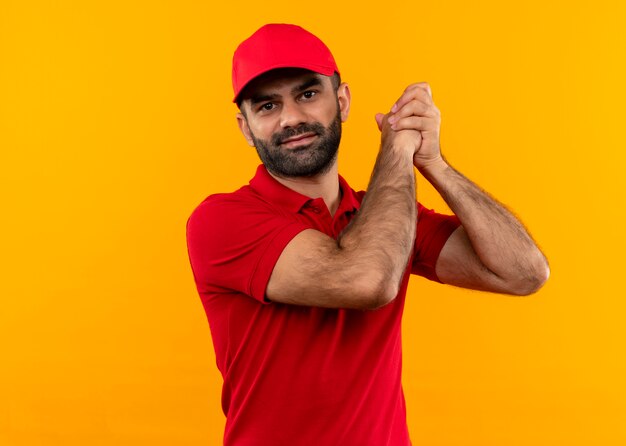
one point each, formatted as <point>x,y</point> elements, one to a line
<point>296,375</point>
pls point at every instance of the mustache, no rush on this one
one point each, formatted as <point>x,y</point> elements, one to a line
<point>314,127</point>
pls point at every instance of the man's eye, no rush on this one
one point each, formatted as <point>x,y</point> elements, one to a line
<point>267,106</point>
<point>308,94</point>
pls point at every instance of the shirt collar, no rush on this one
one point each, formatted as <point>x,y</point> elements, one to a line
<point>267,186</point>
<point>349,200</point>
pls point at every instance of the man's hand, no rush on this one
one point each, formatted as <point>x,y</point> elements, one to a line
<point>407,139</point>
<point>416,111</point>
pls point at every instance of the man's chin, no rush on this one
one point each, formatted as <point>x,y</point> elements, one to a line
<point>299,169</point>
<point>301,149</point>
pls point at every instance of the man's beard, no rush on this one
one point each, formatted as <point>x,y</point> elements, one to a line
<point>305,161</point>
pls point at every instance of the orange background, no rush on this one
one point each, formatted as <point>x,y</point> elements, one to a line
<point>116,121</point>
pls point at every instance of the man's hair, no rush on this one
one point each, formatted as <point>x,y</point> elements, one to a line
<point>335,81</point>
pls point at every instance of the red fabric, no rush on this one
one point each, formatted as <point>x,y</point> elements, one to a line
<point>433,230</point>
<point>296,375</point>
<point>279,45</point>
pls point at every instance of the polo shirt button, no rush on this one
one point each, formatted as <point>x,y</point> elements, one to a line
<point>315,209</point>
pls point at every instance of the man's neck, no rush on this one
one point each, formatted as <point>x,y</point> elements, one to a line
<point>325,186</point>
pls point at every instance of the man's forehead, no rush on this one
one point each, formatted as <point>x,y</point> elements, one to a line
<point>278,78</point>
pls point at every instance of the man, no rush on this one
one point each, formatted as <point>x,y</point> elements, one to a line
<point>303,280</point>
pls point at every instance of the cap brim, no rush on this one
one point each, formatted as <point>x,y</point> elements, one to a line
<point>324,70</point>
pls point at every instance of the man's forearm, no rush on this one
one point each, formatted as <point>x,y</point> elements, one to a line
<point>498,238</point>
<point>382,234</point>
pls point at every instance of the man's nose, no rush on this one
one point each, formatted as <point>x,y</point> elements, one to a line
<point>291,115</point>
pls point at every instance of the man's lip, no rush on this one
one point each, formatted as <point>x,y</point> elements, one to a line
<point>298,137</point>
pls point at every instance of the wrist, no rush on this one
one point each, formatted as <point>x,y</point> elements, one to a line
<point>434,168</point>
<point>402,151</point>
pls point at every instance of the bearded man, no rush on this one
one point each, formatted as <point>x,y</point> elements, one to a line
<point>303,280</point>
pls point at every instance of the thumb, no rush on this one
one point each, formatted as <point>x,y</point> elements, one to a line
<point>379,120</point>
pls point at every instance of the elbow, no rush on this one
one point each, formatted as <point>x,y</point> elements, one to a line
<point>533,281</point>
<point>384,295</point>
<point>376,291</point>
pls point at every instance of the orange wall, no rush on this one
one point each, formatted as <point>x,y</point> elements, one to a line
<point>116,121</point>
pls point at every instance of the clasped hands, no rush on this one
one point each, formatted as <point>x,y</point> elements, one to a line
<point>414,123</point>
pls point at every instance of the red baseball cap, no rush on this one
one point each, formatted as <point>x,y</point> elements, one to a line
<point>279,45</point>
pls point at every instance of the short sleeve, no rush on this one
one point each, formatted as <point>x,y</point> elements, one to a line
<point>433,230</point>
<point>233,245</point>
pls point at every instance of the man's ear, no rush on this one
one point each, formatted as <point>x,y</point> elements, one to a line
<point>245,130</point>
<point>343,97</point>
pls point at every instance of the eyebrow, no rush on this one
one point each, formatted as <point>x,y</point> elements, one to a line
<point>314,81</point>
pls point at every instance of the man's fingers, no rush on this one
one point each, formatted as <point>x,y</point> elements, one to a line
<point>413,110</point>
<point>414,123</point>
<point>379,120</point>
<point>423,85</point>
<point>420,91</point>
<point>416,108</point>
